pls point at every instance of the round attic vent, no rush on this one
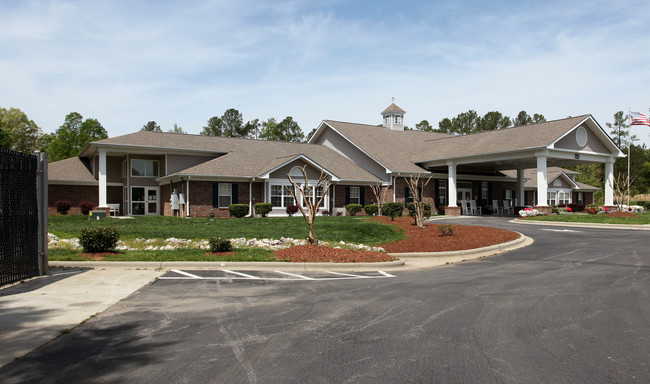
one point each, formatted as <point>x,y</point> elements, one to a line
<point>581,136</point>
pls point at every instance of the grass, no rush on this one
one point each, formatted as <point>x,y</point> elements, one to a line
<point>244,254</point>
<point>641,218</point>
<point>348,229</point>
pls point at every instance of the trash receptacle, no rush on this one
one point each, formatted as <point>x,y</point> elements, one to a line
<point>96,215</point>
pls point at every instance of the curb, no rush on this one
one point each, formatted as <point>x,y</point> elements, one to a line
<point>636,227</point>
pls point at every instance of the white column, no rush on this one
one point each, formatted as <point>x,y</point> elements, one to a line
<point>609,182</point>
<point>250,199</point>
<point>451,184</point>
<point>187,198</point>
<point>542,184</point>
<point>102,178</point>
<point>520,188</point>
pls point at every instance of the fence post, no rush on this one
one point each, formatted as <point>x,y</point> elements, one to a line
<point>41,197</point>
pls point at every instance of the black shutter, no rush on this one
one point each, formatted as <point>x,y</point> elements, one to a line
<point>490,198</point>
<point>347,195</point>
<point>447,194</point>
<point>406,196</point>
<point>362,195</point>
<point>436,192</point>
<point>215,195</point>
<point>235,198</point>
<point>420,193</point>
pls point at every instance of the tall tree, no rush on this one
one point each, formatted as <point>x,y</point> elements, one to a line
<point>523,118</point>
<point>233,123</point>
<point>286,130</point>
<point>23,133</point>
<point>5,139</point>
<point>424,126</point>
<point>151,126</point>
<point>492,121</point>
<point>251,129</point>
<point>73,136</point>
<point>177,129</point>
<point>537,118</point>
<point>620,129</point>
<point>214,127</point>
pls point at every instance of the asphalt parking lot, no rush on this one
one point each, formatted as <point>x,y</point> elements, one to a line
<point>572,307</point>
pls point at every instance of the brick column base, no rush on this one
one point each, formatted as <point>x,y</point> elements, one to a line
<point>452,211</point>
<point>545,209</point>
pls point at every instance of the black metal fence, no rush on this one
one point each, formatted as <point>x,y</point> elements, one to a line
<point>19,220</point>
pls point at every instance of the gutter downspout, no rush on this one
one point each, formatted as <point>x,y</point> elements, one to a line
<point>187,198</point>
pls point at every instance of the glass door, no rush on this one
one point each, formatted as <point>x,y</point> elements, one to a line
<point>144,200</point>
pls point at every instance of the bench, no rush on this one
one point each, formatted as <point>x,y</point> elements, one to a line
<point>114,209</point>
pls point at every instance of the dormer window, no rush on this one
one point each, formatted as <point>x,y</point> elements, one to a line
<point>387,120</point>
<point>398,119</point>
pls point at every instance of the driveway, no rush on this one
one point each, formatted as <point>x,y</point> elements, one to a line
<point>574,307</point>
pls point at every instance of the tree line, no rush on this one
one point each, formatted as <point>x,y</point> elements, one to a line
<point>471,122</point>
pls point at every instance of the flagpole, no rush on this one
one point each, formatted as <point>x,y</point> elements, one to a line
<point>629,155</point>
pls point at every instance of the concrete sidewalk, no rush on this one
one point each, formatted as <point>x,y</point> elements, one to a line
<point>38,310</point>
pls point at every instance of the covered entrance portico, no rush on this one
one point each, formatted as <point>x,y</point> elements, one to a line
<point>562,143</point>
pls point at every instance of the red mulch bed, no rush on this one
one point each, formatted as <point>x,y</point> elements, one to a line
<point>316,254</point>
<point>427,239</point>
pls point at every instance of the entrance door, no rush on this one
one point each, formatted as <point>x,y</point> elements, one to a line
<point>464,191</point>
<point>144,200</point>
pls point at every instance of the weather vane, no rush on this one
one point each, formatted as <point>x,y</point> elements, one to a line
<point>392,99</point>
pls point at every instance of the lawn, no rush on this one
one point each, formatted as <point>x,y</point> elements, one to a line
<point>641,218</point>
<point>351,229</point>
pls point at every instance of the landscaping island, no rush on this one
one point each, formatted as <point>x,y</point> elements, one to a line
<point>398,236</point>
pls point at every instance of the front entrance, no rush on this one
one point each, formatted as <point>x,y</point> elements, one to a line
<point>144,200</point>
<point>464,190</point>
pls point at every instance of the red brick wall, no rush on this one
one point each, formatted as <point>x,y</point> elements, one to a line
<point>78,193</point>
<point>201,198</point>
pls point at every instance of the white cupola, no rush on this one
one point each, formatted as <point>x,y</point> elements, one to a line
<point>393,117</point>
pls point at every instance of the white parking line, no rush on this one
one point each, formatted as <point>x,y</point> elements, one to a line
<point>386,274</point>
<point>186,274</point>
<point>242,274</point>
<point>347,274</point>
<point>294,275</point>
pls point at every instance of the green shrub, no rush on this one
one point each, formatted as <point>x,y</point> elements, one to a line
<point>371,209</point>
<point>238,210</point>
<point>446,229</point>
<point>392,209</point>
<point>427,210</point>
<point>353,209</point>
<point>98,239</point>
<point>291,209</point>
<point>263,209</point>
<point>217,244</point>
<point>555,209</point>
<point>63,206</point>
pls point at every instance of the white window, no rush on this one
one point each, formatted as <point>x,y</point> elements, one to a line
<point>484,190</point>
<point>387,120</point>
<point>508,194</point>
<point>225,195</point>
<point>144,168</point>
<point>581,198</point>
<point>398,119</point>
<point>280,196</point>
<point>355,195</point>
<point>563,197</point>
<point>550,196</point>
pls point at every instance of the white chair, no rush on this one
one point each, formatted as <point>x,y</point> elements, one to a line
<point>507,207</point>
<point>464,208</point>
<point>114,209</point>
<point>473,208</point>
<point>495,207</point>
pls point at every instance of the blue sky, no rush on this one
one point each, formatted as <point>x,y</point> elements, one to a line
<point>179,62</point>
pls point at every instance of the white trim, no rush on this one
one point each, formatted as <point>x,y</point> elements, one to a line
<point>597,130</point>
<point>103,193</point>
<point>542,183</point>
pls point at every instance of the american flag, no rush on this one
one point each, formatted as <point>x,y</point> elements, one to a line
<point>639,119</point>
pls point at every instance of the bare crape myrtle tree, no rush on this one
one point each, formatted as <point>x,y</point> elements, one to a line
<point>308,195</point>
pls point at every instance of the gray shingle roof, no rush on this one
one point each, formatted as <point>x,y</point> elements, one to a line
<point>393,149</point>
<point>509,139</point>
<point>243,157</point>
<point>73,170</point>
<point>393,108</point>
